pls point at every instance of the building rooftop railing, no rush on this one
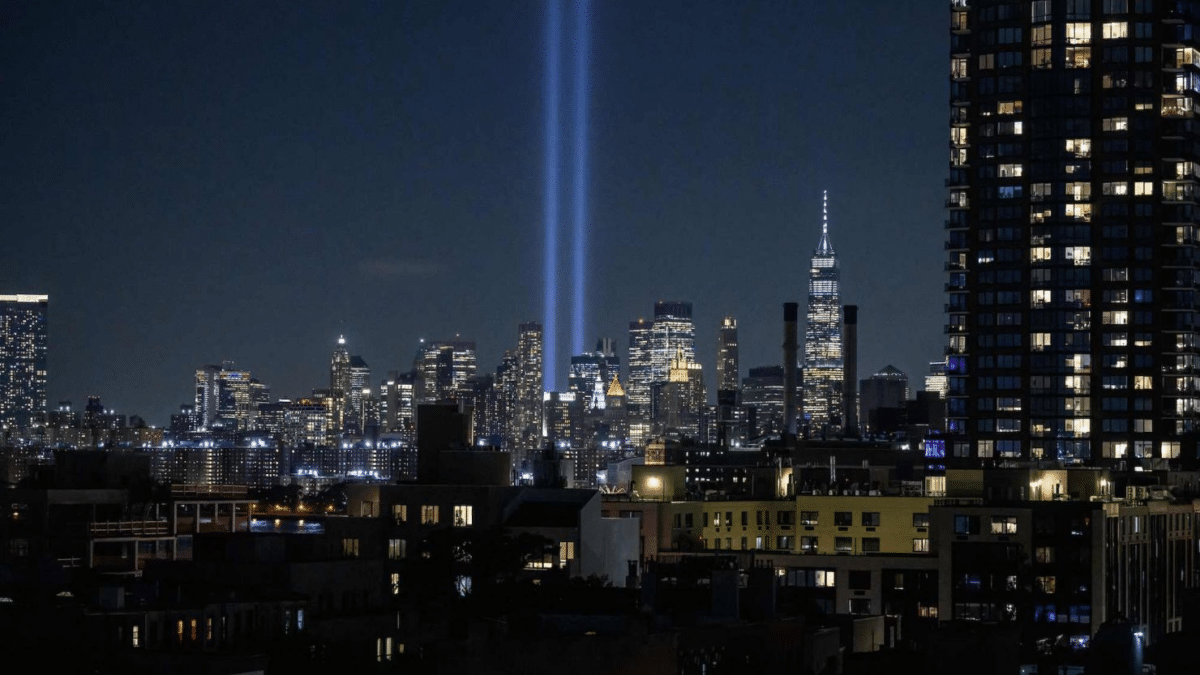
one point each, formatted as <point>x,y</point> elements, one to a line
<point>210,490</point>
<point>130,528</point>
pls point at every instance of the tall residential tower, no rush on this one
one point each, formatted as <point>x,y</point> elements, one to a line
<point>1071,236</point>
<point>22,361</point>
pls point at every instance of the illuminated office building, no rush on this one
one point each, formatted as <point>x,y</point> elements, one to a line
<point>444,369</point>
<point>528,413</point>
<point>823,372</point>
<point>672,332</point>
<point>1071,233</point>
<point>226,398</point>
<point>358,397</point>
<point>22,361</point>
<point>680,400</point>
<point>339,386</point>
<point>399,405</point>
<point>727,355</point>
<point>641,370</point>
<point>591,373</point>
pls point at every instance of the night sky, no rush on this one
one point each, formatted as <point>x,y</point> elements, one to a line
<point>199,181</point>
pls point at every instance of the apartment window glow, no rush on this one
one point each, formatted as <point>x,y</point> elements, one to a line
<point>463,515</point>
<point>1079,33</point>
<point>429,514</point>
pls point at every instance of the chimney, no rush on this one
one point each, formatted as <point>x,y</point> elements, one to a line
<point>850,369</point>
<point>790,347</point>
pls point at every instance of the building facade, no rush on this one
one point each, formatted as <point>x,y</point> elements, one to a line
<point>823,365</point>
<point>528,416</point>
<point>22,360</point>
<point>1071,234</point>
<point>727,356</point>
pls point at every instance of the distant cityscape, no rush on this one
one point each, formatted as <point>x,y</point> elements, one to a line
<point>1033,506</point>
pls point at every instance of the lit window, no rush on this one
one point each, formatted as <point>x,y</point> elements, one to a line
<point>135,639</point>
<point>1041,35</point>
<point>566,552</point>
<point>396,549</point>
<point>1079,33</point>
<point>383,649</point>
<point>1004,524</point>
<point>429,514</point>
<point>400,512</point>
<point>1080,147</point>
<point>350,548</point>
<point>1115,124</point>
<point>921,545</point>
<point>1115,30</point>
<point>463,515</point>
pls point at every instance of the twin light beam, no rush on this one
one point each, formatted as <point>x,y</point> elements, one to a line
<point>578,185</point>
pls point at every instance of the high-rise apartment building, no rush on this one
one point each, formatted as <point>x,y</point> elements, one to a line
<point>22,361</point>
<point>727,355</point>
<point>1072,267</point>
<point>823,372</point>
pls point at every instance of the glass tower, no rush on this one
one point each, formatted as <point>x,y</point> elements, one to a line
<point>823,374</point>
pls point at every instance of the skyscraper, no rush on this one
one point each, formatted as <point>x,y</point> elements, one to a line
<point>822,391</point>
<point>727,355</point>
<point>444,369</point>
<point>672,331</point>
<point>641,376</point>
<point>22,360</point>
<point>358,396</point>
<point>529,411</point>
<point>227,398</point>
<point>591,373</point>
<point>1071,234</point>
<point>339,386</point>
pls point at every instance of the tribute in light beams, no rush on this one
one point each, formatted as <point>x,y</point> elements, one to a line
<point>550,208</point>
<point>580,183</point>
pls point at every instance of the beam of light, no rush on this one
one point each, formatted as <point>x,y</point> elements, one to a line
<point>580,177</point>
<point>550,299</point>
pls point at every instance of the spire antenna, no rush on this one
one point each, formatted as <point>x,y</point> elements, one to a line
<point>825,212</point>
<point>823,246</point>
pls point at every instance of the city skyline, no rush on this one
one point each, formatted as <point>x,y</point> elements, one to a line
<point>156,227</point>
